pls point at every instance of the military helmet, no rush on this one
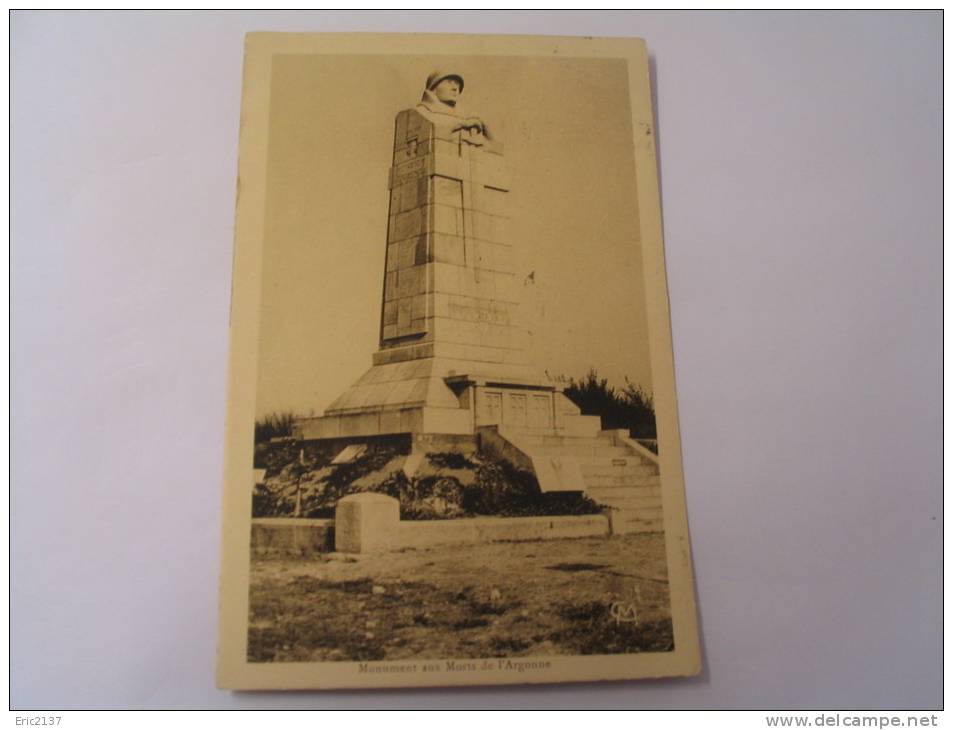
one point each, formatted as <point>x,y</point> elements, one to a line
<point>437,76</point>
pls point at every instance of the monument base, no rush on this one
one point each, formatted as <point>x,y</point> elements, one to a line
<point>444,396</point>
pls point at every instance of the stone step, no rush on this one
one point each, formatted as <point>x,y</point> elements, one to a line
<point>620,482</point>
<point>590,452</point>
<point>547,440</point>
<point>628,469</point>
<point>597,492</point>
<point>629,503</point>
<point>550,439</point>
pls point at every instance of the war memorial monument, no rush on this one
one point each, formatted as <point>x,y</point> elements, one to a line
<point>451,370</point>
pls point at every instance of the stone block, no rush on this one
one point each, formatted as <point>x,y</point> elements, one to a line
<point>389,331</point>
<point>366,523</point>
<point>392,251</point>
<point>446,164</point>
<point>460,351</point>
<point>421,285</point>
<point>377,396</point>
<point>399,353</point>
<point>351,398</point>
<point>408,224</point>
<point>317,428</point>
<point>447,192</point>
<point>447,219</point>
<point>489,227</point>
<point>411,420</point>
<point>370,377</point>
<point>411,194</point>
<point>416,327</point>
<point>291,536</point>
<point>447,420</point>
<point>418,309</point>
<point>448,249</point>
<point>407,282</point>
<point>495,256</point>
<point>403,312</point>
<point>400,393</point>
<point>466,283</point>
<point>405,370</point>
<point>362,424</point>
<point>490,171</point>
<point>587,426</point>
<point>406,253</point>
<point>422,252</point>
<point>414,125</point>
<point>390,285</point>
<point>446,148</point>
<point>564,406</point>
<point>423,280</point>
<point>400,127</point>
<point>492,201</point>
<point>389,315</point>
<point>418,393</point>
<point>441,304</point>
<point>446,278</point>
<point>428,278</point>
<point>390,422</point>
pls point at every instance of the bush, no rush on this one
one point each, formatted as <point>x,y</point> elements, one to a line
<point>274,425</point>
<point>630,408</point>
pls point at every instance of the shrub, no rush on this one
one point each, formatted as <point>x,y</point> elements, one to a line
<point>274,425</point>
<point>630,408</point>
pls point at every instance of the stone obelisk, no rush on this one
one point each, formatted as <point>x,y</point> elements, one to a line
<point>451,356</point>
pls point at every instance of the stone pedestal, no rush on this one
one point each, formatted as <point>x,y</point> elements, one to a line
<point>365,523</point>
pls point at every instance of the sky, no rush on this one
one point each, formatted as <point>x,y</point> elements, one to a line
<point>566,130</point>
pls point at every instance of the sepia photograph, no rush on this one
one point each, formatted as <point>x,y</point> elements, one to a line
<point>462,458</point>
<point>476,359</point>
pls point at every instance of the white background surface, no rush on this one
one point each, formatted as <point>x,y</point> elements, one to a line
<point>801,184</point>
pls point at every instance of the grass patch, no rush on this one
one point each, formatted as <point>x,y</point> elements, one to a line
<point>592,630</point>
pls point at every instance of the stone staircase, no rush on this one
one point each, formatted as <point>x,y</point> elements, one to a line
<point>616,472</point>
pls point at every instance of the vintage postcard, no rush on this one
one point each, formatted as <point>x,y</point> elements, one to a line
<point>452,442</point>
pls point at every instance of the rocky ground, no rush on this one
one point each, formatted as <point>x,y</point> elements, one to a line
<point>575,596</point>
<point>301,480</point>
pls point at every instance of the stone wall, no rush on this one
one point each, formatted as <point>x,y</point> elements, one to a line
<point>290,536</point>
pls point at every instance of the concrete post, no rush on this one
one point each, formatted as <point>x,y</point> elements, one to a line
<point>365,523</point>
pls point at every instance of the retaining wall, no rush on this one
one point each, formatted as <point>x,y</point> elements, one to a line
<point>295,536</point>
<point>291,536</point>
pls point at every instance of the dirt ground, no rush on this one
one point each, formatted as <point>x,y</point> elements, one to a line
<point>574,596</point>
